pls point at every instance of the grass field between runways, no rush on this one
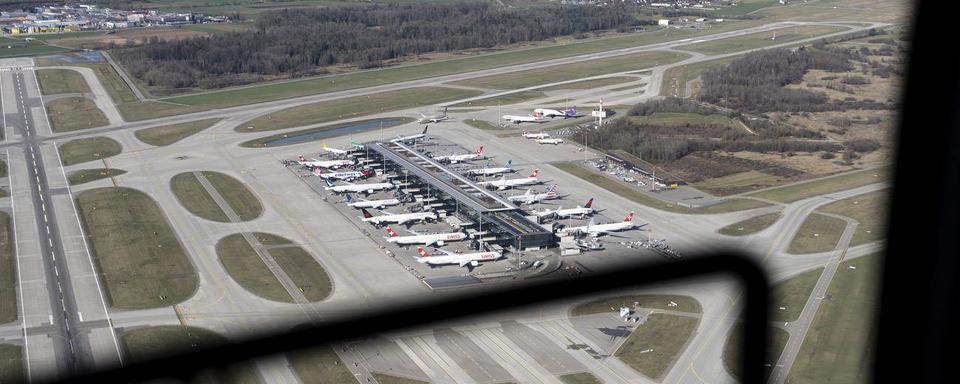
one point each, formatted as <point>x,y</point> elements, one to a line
<point>351,107</point>
<point>54,81</point>
<point>136,251</point>
<point>145,343</point>
<point>169,134</point>
<point>653,347</point>
<point>88,149</point>
<point>74,113</point>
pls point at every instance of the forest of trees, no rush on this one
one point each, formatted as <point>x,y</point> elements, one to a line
<point>659,143</point>
<point>755,82</point>
<point>291,43</point>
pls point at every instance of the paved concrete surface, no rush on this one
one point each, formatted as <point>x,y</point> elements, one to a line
<point>535,345</point>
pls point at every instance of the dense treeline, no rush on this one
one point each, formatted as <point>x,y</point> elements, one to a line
<point>671,104</point>
<point>755,82</point>
<point>658,144</point>
<point>289,43</point>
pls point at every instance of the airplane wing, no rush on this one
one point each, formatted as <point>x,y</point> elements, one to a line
<point>445,252</point>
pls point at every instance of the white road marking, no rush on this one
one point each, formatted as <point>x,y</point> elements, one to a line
<point>80,315</point>
<point>86,247</point>
<point>23,318</point>
<point>51,319</point>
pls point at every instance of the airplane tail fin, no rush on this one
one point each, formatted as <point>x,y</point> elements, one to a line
<point>366,214</point>
<point>425,130</point>
<point>629,217</point>
<point>480,150</point>
<point>570,111</point>
<point>589,203</point>
<point>349,198</point>
<point>422,252</point>
<point>524,131</point>
<point>553,188</point>
<point>391,232</point>
<point>300,157</point>
<point>535,172</point>
<point>509,164</point>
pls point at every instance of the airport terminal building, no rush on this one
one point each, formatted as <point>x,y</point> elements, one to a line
<point>484,215</point>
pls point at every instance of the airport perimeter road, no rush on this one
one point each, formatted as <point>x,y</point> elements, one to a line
<point>54,265</point>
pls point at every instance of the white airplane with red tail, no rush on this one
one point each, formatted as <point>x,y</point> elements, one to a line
<point>426,239</point>
<point>453,159</point>
<point>601,229</point>
<point>468,260</point>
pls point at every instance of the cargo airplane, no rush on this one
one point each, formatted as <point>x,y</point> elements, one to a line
<point>469,260</point>
<point>397,218</point>
<point>427,239</point>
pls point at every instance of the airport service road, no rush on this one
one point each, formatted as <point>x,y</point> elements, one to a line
<point>63,313</point>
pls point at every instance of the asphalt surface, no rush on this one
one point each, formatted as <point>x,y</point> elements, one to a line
<point>65,330</point>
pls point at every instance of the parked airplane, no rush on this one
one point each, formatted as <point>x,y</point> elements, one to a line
<point>345,176</point>
<point>601,229</point>
<point>397,218</point>
<point>584,211</point>
<point>538,135</point>
<point>409,138</point>
<point>529,197</point>
<point>331,164</point>
<point>492,171</point>
<point>468,260</point>
<point>426,239</point>
<point>569,112</point>
<point>335,151</point>
<point>360,188</point>
<point>550,141</point>
<point>536,118</point>
<point>505,183</point>
<point>460,158</point>
<point>371,203</point>
<point>424,119</point>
